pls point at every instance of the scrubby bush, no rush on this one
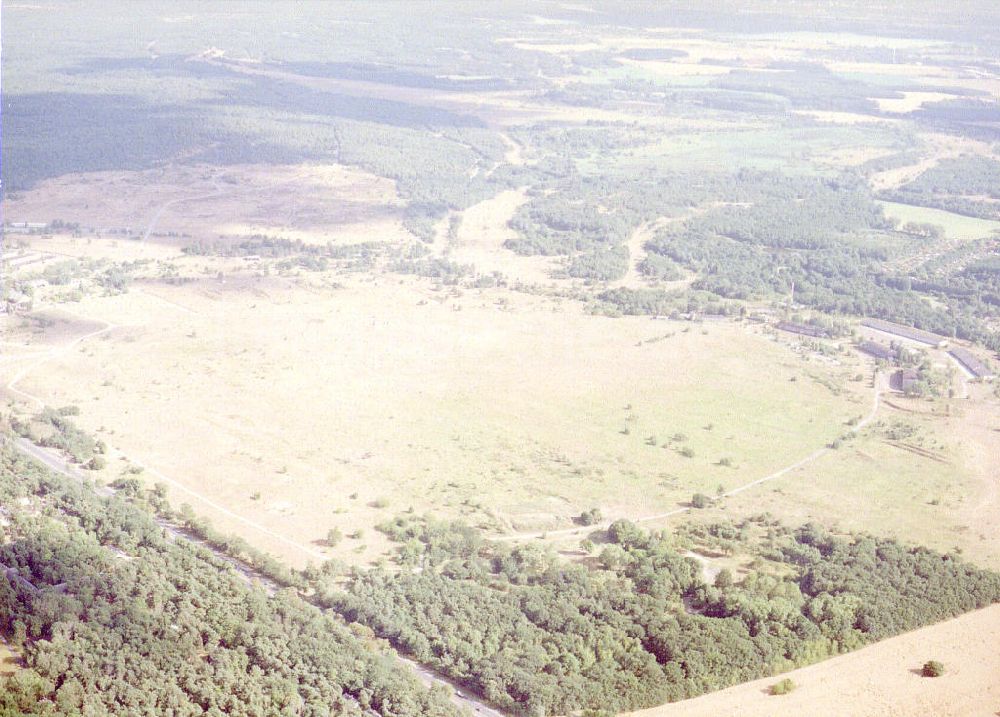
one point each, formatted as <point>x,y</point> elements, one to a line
<point>783,687</point>
<point>932,668</point>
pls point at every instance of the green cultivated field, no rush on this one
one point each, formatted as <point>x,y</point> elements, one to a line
<point>955,226</point>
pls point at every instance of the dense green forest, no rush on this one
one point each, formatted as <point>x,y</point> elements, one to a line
<point>538,635</point>
<point>114,616</point>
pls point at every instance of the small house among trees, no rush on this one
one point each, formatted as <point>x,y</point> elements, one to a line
<point>905,380</point>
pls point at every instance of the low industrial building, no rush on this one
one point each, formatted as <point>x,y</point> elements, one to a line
<point>971,363</point>
<point>879,351</point>
<point>804,329</point>
<point>906,332</point>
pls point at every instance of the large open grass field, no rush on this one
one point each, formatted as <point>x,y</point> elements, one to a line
<point>937,488</point>
<point>284,399</point>
<point>308,407</point>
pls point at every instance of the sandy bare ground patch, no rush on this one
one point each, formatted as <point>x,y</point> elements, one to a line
<point>481,238</point>
<point>977,434</point>
<point>853,156</point>
<point>888,68</point>
<point>46,327</point>
<point>842,117</point>
<point>56,247</point>
<point>675,68</point>
<point>938,147</point>
<point>554,47</point>
<point>881,680</point>
<point>313,202</point>
<point>515,152</point>
<point>910,101</point>
<point>10,661</point>
<point>636,244</point>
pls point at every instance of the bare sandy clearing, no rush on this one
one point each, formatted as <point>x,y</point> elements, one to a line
<point>910,101</point>
<point>937,147</point>
<point>636,249</point>
<point>495,108</point>
<point>852,156</point>
<point>314,202</point>
<point>881,680</point>
<point>888,68</point>
<point>675,68</point>
<point>481,238</point>
<point>10,661</point>
<point>556,48</point>
<point>842,117</point>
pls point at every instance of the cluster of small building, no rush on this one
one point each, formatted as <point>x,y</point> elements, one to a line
<point>965,358</point>
<point>25,227</point>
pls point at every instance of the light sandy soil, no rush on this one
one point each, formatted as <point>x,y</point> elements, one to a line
<point>636,243</point>
<point>842,117</point>
<point>481,238</point>
<point>505,408</point>
<point>910,101</point>
<point>497,109</point>
<point>881,680</point>
<point>976,433</point>
<point>938,147</point>
<point>888,68</point>
<point>852,156</point>
<point>315,203</point>
<point>679,68</point>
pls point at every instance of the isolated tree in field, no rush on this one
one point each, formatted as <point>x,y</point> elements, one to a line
<point>333,536</point>
<point>590,517</point>
<point>932,668</point>
<point>700,500</point>
<point>783,687</point>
